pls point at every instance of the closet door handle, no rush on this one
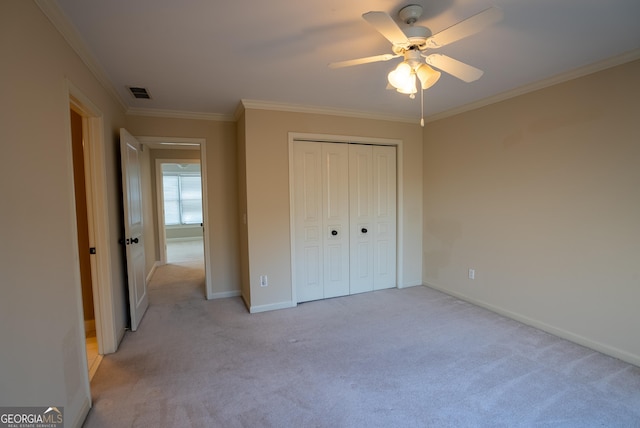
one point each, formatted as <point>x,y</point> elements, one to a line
<point>364,230</point>
<point>334,232</point>
<point>134,240</point>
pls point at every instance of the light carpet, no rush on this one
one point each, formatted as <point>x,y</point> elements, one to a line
<point>395,358</point>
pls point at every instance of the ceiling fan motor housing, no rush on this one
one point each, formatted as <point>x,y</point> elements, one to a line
<point>417,39</point>
<point>417,35</point>
<point>410,14</point>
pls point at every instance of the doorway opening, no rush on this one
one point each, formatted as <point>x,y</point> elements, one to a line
<point>180,209</point>
<point>179,178</point>
<point>90,135</point>
<point>78,133</point>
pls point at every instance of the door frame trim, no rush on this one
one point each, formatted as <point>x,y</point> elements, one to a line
<point>97,201</point>
<point>202,142</point>
<point>348,139</point>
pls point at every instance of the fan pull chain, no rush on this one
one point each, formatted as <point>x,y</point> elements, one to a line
<point>422,108</point>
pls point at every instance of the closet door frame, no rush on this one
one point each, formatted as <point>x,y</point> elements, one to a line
<point>325,138</point>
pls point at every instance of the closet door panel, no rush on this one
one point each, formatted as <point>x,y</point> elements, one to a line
<point>384,207</point>
<point>308,218</point>
<point>335,197</point>
<point>361,217</point>
<point>344,206</point>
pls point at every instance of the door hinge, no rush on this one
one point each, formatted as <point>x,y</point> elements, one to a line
<point>92,250</point>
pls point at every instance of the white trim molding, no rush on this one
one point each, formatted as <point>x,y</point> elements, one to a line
<point>52,10</point>
<point>300,108</point>
<point>272,307</point>
<point>177,114</point>
<point>99,223</point>
<point>564,334</point>
<point>202,142</point>
<point>60,21</point>
<point>541,84</point>
<point>224,294</point>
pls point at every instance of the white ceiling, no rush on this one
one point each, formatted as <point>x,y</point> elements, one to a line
<point>204,56</point>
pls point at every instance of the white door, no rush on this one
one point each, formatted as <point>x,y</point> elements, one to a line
<point>361,218</point>
<point>133,222</point>
<point>344,214</point>
<point>321,216</point>
<point>335,201</point>
<point>307,206</point>
<point>384,213</point>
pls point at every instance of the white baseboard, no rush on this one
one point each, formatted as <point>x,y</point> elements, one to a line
<point>94,367</point>
<point>119,337</point>
<point>223,294</point>
<point>82,415</point>
<point>152,271</point>
<point>410,284</point>
<point>272,307</point>
<point>564,334</point>
<point>185,239</point>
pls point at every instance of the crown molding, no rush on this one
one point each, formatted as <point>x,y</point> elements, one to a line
<point>541,84</point>
<point>60,21</point>
<point>300,108</point>
<point>179,114</point>
<point>72,37</point>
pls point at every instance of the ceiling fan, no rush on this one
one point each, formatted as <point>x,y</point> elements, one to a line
<point>411,43</point>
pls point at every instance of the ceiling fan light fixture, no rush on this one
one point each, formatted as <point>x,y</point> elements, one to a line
<point>403,79</point>
<point>410,87</point>
<point>427,75</point>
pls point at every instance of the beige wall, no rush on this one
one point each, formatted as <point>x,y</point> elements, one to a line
<point>42,358</point>
<point>267,194</point>
<point>242,210</point>
<point>541,195</point>
<point>222,188</point>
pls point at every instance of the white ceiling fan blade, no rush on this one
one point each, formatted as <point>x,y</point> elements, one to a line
<point>458,69</point>
<point>466,28</point>
<point>366,60</point>
<point>386,26</point>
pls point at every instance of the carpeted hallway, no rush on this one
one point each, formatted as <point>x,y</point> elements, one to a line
<point>395,358</point>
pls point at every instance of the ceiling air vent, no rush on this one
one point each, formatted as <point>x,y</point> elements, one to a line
<point>140,93</point>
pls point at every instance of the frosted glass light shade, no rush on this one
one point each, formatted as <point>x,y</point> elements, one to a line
<point>427,75</point>
<point>403,79</point>
<point>410,86</point>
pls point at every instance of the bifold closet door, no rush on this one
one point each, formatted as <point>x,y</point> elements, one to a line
<point>321,216</point>
<point>384,217</point>
<point>372,196</point>
<point>344,202</point>
<point>361,217</point>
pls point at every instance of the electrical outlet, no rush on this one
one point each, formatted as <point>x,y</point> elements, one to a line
<point>264,281</point>
<point>472,274</point>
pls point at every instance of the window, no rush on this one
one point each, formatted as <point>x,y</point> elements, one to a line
<point>182,198</point>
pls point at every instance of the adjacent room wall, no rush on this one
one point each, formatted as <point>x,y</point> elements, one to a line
<point>43,360</point>
<point>266,151</point>
<point>540,194</point>
<point>222,188</point>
